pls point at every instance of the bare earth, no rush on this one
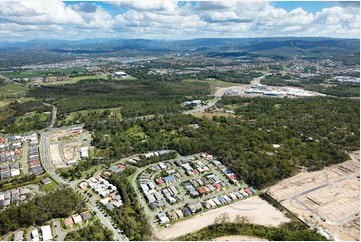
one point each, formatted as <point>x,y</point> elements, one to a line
<point>55,156</point>
<point>329,198</point>
<point>68,153</point>
<point>238,238</point>
<point>255,209</point>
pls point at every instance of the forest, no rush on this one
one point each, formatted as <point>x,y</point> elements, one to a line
<point>93,232</point>
<point>135,97</point>
<point>9,116</point>
<point>56,204</point>
<point>311,132</point>
<point>131,216</point>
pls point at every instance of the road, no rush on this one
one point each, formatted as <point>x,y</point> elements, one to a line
<point>49,168</point>
<point>53,118</point>
<point>24,162</point>
<point>219,94</point>
<point>177,184</point>
<point>340,222</point>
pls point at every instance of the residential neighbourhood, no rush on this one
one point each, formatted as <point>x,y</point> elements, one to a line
<point>184,186</point>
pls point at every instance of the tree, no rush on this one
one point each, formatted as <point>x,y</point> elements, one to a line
<point>241,219</point>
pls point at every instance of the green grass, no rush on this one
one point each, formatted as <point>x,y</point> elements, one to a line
<point>77,79</point>
<point>71,116</point>
<point>49,187</point>
<point>91,170</point>
<point>135,131</point>
<point>11,90</point>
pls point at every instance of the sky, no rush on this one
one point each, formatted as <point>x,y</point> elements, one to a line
<point>156,19</point>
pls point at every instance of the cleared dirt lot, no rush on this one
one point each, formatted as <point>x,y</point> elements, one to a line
<point>55,156</point>
<point>255,209</point>
<point>68,153</point>
<point>329,198</point>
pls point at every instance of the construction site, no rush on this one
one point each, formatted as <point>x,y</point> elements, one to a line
<point>328,200</point>
<point>68,146</point>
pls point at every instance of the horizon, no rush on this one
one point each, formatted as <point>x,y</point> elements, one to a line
<point>160,40</point>
<point>179,20</point>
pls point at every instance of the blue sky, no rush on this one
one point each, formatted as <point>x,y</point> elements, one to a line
<point>177,20</point>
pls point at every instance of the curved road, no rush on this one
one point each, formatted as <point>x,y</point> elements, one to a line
<point>49,168</point>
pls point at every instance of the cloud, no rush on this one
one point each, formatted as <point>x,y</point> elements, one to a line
<point>168,19</point>
<point>84,7</point>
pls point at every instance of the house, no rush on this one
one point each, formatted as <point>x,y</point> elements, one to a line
<point>179,213</point>
<point>248,191</point>
<point>46,231</point>
<point>35,234</point>
<point>19,235</point>
<point>68,221</point>
<point>71,162</point>
<point>84,152</point>
<point>163,218</point>
<point>46,180</point>
<point>77,218</point>
<point>186,211</point>
<point>109,207</point>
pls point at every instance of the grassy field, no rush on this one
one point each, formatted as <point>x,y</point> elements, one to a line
<point>26,74</point>
<point>71,116</point>
<point>76,79</point>
<point>11,90</point>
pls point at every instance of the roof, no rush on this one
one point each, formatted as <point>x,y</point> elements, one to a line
<point>19,235</point>
<point>159,180</point>
<point>46,180</point>
<point>46,231</point>
<point>35,233</point>
<point>77,218</point>
<point>68,221</point>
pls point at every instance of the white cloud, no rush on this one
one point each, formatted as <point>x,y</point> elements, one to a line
<point>166,19</point>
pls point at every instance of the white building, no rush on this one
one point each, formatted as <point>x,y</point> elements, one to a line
<point>46,231</point>
<point>84,152</point>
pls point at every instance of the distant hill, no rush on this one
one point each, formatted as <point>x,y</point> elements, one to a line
<point>283,46</point>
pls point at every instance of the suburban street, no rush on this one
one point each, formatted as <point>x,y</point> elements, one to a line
<point>24,160</point>
<point>49,168</point>
<point>177,184</point>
